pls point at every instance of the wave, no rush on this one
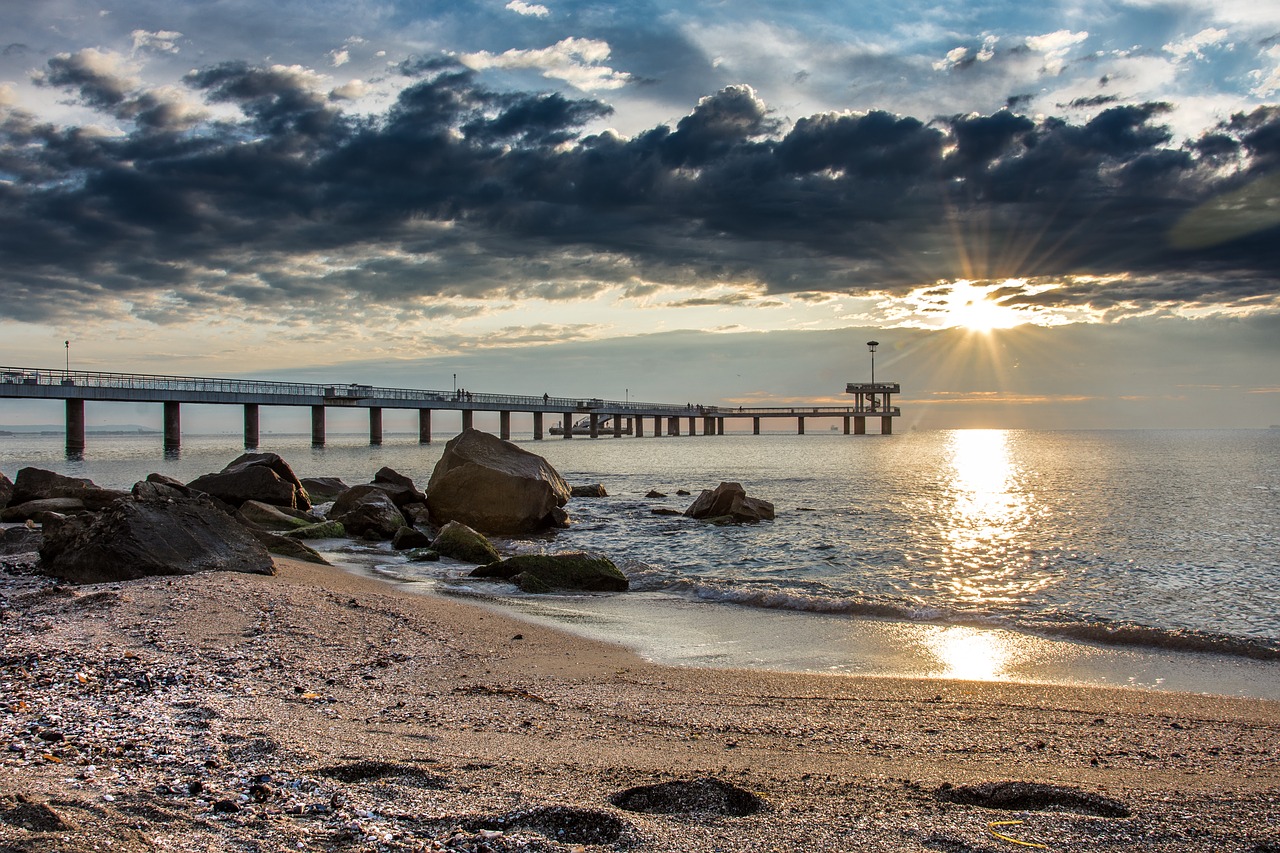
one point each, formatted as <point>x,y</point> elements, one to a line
<point>1096,631</point>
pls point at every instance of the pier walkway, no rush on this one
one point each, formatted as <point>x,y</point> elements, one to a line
<point>624,417</point>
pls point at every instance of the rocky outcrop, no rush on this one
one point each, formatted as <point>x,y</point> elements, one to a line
<point>594,490</point>
<point>36,484</point>
<point>263,477</point>
<point>31,510</point>
<point>548,572</point>
<point>6,491</point>
<point>367,512</point>
<point>400,488</point>
<point>133,539</point>
<point>459,542</point>
<point>19,540</point>
<point>268,517</point>
<point>495,487</point>
<point>407,538</point>
<point>322,489</point>
<point>728,503</point>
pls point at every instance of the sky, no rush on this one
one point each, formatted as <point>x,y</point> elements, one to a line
<point>1052,215</point>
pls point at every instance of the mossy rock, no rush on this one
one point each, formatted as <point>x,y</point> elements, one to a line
<point>323,530</point>
<point>546,572</point>
<point>460,542</point>
<point>423,555</point>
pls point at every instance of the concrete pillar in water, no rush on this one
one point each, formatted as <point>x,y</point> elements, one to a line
<point>424,426</point>
<point>673,426</point>
<point>537,426</point>
<point>250,426</point>
<point>375,425</point>
<point>886,426</point>
<point>172,426</point>
<point>755,426</point>
<point>693,426</point>
<point>846,424</point>
<point>720,427</point>
<point>594,420</point>
<point>617,426</point>
<point>657,426</point>
<point>568,425</point>
<point>800,423</point>
<point>504,426</point>
<point>75,427</point>
<point>317,426</point>
<point>638,421</point>
<point>467,419</point>
<point>859,425</point>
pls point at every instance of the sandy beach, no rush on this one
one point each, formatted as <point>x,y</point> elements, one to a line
<point>320,710</point>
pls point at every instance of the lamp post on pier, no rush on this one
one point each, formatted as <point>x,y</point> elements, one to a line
<point>871,345</point>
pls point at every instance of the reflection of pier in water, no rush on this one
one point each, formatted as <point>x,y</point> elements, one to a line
<point>871,400</point>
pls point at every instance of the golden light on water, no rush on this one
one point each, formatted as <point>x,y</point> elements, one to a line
<point>971,653</point>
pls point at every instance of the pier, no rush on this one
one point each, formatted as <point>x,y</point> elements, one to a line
<point>630,418</point>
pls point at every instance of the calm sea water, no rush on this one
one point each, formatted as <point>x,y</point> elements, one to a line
<point>1148,539</point>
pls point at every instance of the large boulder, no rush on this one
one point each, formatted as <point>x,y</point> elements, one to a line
<point>546,572</point>
<point>133,539</point>
<point>729,502</point>
<point>321,489</point>
<point>6,491</point>
<point>367,512</point>
<point>495,487</point>
<point>400,488</point>
<point>31,509</point>
<point>263,477</point>
<point>459,542</point>
<point>37,484</point>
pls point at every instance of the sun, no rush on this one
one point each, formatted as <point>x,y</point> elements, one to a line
<point>963,304</point>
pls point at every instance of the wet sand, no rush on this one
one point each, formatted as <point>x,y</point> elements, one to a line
<point>321,710</point>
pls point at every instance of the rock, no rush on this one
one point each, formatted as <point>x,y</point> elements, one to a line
<point>682,492</point>
<point>321,489</point>
<point>34,484</point>
<point>286,546</point>
<point>6,491</point>
<point>494,487</point>
<point>401,488</point>
<point>595,490</point>
<point>729,501</point>
<point>460,542</point>
<point>654,493</point>
<point>665,510</point>
<point>19,540</point>
<point>410,537</point>
<point>148,490</point>
<point>417,513</point>
<point>134,539</point>
<point>269,517</point>
<point>263,477</point>
<point>423,555</point>
<point>368,512</point>
<point>30,509</point>
<point>321,530</point>
<point>545,572</point>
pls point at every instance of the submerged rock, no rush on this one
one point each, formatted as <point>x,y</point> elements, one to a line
<point>459,542</point>
<point>493,486</point>
<point>594,490</point>
<point>546,572</point>
<point>133,539</point>
<point>728,503</point>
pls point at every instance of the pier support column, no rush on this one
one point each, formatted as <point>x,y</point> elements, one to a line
<point>568,425</point>
<point>886,426</point>
<point>638,421</point>
<point>755,426</point>
<point>172,426</point>
<point>859,425</point>
<point>673,426</point>
<point>720,427</point>
<point>468,418</point>
<point>375,425</point>
<point>250,426</point>
<point>846,424</point>
<point>317,426</point>
<point>800,425</point>
<point>617,426</point>
<point>537,426</point>
<point>424,426</point>
<point>595,424</point>
<point>504,426</point>
<point>75,427</point>
<point>693,426</point>
<point>657,427</point>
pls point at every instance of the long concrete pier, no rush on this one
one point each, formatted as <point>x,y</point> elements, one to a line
<point>592,417</point>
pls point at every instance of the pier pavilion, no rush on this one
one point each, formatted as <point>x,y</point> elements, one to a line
<point>76,387</point>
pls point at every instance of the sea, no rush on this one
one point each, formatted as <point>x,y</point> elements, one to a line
<point>1144,559</point>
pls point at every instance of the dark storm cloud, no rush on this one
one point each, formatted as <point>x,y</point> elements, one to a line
<point>462,191</point>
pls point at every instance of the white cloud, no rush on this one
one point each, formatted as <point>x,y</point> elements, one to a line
<point>350,91</point>
<point>953,58</point>
<point>339,57</point>
<point>573,60</point>
<point>1268,80</point>
<point>1193,46</point>
<point>162,41</point>
<point>534,9</point>
<point>1055,46</point>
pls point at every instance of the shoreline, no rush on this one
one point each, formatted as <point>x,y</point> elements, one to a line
<point>332,710</point>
